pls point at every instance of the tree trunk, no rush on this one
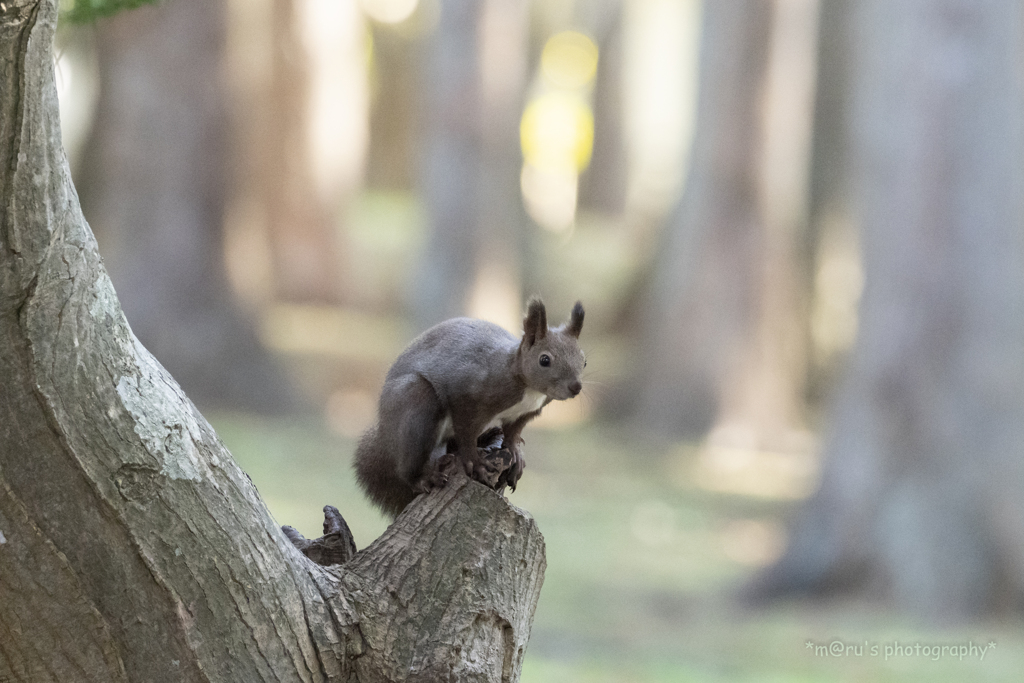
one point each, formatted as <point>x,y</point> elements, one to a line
<point>603,185</point>
<point>394,120</point>
<point>830,245</point>
<point>922,496</point>
<point>154,186</point>
<point>723,350</point>
<point>497,288</point>
<point>300,117</point>
<point>450,160</point>
<point>702,298</point>
<point>762,394</point>
<point>473,77</point>
<point>132,548</point>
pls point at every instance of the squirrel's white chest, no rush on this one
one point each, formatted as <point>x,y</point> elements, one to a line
<point>531,401</point>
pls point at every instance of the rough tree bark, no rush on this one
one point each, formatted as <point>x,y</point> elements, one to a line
<point>921,498</point>
<point>132,548</point>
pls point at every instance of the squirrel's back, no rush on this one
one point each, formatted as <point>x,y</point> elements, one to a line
<point>455,344</point>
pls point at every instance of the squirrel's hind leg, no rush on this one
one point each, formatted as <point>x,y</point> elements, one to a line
<point>416,423</point>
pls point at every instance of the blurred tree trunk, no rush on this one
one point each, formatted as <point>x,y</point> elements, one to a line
<point>762,396</point>
<point>603,185</point>
<point>154,183</point>
<point>473,77</point>
<point>706,292</point>
<point>497,287</point>
<point>390,162</point>
<point>299,73</point>
<point>830,246</point>
<point>922,496</point>
<point>722,343</point>
<point>132,547</point>
<point>449,165</point>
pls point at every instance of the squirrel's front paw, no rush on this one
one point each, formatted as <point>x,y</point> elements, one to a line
<point>513,470</point>
<point>488,467</point>
<point>517,463</point>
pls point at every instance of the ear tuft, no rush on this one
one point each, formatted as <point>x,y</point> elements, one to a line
<point>575,324</point>
<point>535,326</point>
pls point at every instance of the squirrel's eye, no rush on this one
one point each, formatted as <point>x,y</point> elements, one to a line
<point>545,360</point>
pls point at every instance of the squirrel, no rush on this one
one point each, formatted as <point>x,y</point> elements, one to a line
<point>459,383</point>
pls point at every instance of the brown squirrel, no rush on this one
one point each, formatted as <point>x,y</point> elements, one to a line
<point>455,384</point>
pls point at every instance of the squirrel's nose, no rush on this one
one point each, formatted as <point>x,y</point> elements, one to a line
<point>575,388</point>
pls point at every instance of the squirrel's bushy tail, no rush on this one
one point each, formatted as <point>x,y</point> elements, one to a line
<point>377,474</point>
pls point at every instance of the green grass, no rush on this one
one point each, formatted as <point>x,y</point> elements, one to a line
<point>298,467</point>
<point>620,603</point>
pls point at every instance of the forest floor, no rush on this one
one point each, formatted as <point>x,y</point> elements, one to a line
<point>644,567</point>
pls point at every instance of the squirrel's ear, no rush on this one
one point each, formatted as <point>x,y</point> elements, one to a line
<point>535,326</point>
<point>575,324</point>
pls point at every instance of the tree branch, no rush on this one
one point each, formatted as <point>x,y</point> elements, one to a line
<point>131,546</point>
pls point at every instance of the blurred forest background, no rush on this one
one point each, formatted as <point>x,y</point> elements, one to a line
<point>798,230</point>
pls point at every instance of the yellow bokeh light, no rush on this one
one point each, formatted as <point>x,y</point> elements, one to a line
<point>569,60</point>
<point>557,132</point>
